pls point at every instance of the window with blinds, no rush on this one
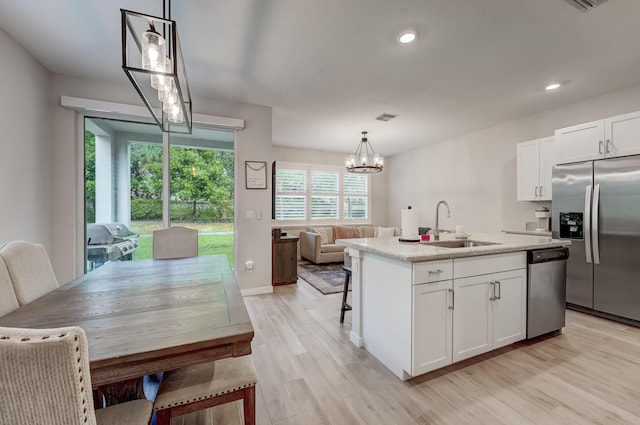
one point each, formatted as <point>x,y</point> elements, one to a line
<point>356,196</point>
<point>307,193</point>
<point>291,198</point>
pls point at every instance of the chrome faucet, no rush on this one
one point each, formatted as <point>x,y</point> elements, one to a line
<point>436,231</point>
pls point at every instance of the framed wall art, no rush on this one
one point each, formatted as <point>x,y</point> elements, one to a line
<point>255,174</point>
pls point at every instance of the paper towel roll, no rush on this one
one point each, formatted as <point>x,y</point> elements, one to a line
<point>409,224</point>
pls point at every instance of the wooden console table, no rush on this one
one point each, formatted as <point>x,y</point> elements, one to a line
<point>284,254</point>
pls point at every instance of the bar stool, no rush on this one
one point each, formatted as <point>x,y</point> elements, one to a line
<point>347,278</point>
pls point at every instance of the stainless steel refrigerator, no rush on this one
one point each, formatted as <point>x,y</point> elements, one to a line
<point>596,204</point>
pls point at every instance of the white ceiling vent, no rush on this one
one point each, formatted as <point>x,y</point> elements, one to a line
<point>386,117</point>
<point>586,5</point>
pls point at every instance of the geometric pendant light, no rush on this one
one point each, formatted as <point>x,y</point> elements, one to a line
<point>152,59</point>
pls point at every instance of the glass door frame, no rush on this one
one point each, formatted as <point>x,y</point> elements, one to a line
<point>108,110</point>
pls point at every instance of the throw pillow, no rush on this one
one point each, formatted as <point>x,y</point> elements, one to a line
<point>323,232</point>
<point>386,231</point>
<point>345,232</point>
<point>366,231</point>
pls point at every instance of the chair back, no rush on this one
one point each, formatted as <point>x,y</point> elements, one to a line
<point>8,300</point>
<point>45,377</point>
<point>175,242</point>
<point>30,270</point>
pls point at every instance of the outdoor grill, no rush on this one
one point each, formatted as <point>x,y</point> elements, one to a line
<point>109,242</point>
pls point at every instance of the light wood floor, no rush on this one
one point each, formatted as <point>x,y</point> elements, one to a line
<point>309,373</point>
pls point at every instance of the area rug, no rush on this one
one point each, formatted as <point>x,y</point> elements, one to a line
<point>326,278</point>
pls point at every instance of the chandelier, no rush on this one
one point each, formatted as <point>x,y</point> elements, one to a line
<point>365,160</point>
<point>152,59</point>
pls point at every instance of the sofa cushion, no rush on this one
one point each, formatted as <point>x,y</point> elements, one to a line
<point>331,248</point>
<point>366,231</point>
<point>326,234</point>
<point>345,232</point>
<point>386,231</point>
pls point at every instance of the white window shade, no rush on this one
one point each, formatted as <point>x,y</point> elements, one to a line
<point>320,195</point>
<point>291,207</point>
<point>356,207</point>
<point>356,183</point>
<point>291,180</point>
<point>325,182</point>
<point>324,207</point>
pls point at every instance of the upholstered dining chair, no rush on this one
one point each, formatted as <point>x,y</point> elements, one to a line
<point>175,242</point>
<point>44,379</point>
<point>8,300</point>
<point>200,387</point>
<point>29,269</point>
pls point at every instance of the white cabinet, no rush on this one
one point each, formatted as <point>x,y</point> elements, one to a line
<point>580,142</point>
<point>489,310</point>
<point>471,317</point>
<point>535,163</point>
<point>622,135</point>
<point>432,326</point>
<point>431,319</point>
<point>509,307</point>
<point>608,138</point>
<point>418,317</point>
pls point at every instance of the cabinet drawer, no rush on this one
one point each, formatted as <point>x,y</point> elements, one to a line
<point>432,271</point>
<point>485,264</point>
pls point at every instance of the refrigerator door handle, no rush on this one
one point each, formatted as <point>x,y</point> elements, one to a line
<point>594,225</point>
<point>587,223</point>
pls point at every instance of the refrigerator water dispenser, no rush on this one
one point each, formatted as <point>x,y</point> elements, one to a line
<point>571,225</point>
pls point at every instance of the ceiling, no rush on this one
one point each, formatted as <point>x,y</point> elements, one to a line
<point>329,67</point>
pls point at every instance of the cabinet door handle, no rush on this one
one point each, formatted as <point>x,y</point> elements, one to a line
<point>453,299</point>
<point>435,271</point>
<point>541,191</point>
<point>493,291</point>
<point>608,146</point>
<point>497,285</point>
<point>600,147</point>
<point>536,192</point>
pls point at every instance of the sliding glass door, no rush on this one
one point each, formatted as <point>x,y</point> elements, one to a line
<point>124,189</point>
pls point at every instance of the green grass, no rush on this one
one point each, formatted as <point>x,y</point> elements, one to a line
<point>208,243</point>
<point>141,227</point>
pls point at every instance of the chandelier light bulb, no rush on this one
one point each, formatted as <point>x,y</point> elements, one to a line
<point>176,115</point>
<point>171,98</point>
<point>153,50</point>
<point>158,81</point>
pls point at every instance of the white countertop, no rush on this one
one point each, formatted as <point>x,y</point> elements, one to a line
<point>527,232</point>
<point>416,252</point>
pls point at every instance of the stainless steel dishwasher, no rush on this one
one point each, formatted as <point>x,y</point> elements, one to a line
<point>547,290</point>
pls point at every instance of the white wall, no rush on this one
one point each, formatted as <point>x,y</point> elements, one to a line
<point>476,172</point>
<point>310,156</point>
<point>24,146</point>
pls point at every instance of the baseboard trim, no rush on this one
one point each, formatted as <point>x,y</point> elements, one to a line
<point>257,291</point>
<point>356,340</point>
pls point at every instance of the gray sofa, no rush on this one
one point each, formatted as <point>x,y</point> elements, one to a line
<point>317,244</point>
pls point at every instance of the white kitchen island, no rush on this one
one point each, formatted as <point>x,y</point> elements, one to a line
<point>418,307</point>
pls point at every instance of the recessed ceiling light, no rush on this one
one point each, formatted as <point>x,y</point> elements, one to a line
<point>553,86</point>
<point>407,37</point>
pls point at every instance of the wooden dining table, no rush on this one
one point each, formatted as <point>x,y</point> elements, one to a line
<point>149,316</point>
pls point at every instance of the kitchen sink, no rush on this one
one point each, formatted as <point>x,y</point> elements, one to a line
<point>461,244</point>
